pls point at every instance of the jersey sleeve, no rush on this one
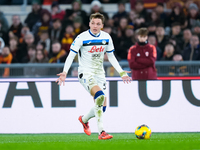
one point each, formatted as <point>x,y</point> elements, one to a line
<point>76,45</point>
<point>110,47</point>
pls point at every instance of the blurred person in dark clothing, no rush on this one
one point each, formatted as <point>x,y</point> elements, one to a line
<point>187,34</point>
<point>57,53</point>
<point>96,6</point>
<point>161,37</point>
<point>140,10</point>
<point>139,22</point>
<point>125,43</point>
<point>152,41</point>
<point>196,28</point>
<point>43,25</point>
<point>3,34</point>
<point>4,22</point>
<point>132,17</point>
<point>193,15</point>
<point>55,32</point>
<point>13,45</point>
<point>162,15</point>
<point>155,18</point>
<point>151,28</point>
<point>23,48</point>
<point>142,57</point>
<point>176,44</point>
<point>79,27</point>
<point>169,53</point>
<point>176,32</point>
<point>56,12</point>
<point>123,23</point>
<point>177,15</point>
<point>30,54</point>
<point>120,13</point>
<point>25,29</point>
<point>192,52</point>
<point>16,26</point>
<point>76,11</point>
<point>35,15</point>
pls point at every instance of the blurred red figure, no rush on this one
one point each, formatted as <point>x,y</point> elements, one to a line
<point>142,57</point>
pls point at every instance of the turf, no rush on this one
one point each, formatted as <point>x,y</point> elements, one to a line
<point>123,141</point>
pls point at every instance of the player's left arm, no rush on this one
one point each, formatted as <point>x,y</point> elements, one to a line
<point>115,64</point>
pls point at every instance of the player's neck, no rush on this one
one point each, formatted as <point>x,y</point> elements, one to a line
<point>96,35</point>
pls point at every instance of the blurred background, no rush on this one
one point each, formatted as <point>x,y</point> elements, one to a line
<point>35,35</point>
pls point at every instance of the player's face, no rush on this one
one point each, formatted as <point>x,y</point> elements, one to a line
<point>142,38</point>
<point>96,25</point>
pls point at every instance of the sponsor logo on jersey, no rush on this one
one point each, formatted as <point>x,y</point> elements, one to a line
<point>138,54</point>
<point>95,49</point>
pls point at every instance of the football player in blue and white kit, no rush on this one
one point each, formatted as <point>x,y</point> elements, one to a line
<point>90,47</point>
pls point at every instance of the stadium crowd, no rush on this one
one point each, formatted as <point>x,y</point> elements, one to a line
<point>45,36</point>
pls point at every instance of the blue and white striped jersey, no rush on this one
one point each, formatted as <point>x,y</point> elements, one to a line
<point>91,49</point>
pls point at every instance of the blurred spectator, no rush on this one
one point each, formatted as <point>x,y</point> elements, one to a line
<point>192,52</point>
<point>125,43</point>
<point>162,15</point>
<point>2,44</point>
<point>176,43</point>
<point>57,53</point>
<point>142,57</point>
<point>68,38</point>
<point>76,11</point>
<point>55,32</point>
<point>132,17</point>
<point>96,6</point>
<point>196,28</point>
<point>13,45</point>
<point>79,27</point>
<point>30,54</point>
<point>140,10</point>
<point>22,52</point>
<point>177,15</point>
<point>151,28</point>
<point>41,46</point>
<point>3,34</point>
<point>152,41</point>
<point>25,29</point>
<point>176,32</point>
<point>169,53</point>
<point>123,23</point>
<point>139,22</point>
<point>16,26</point>
<point>193,15</point>
<point>161,37</point>
<point>34,16</point>
<point>120,13</point>
<point>6,58</point>
<point>39,58</point>
<point>4,22</point>
<point>43,25</point>
<point>44,37</point>
<point>186,38</point>
<point>56,12</point>
<point>155,18</point>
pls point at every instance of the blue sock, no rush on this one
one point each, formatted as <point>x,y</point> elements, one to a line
<point>104,108</point>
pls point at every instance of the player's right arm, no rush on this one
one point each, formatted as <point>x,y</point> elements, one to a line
<point>74,48</point>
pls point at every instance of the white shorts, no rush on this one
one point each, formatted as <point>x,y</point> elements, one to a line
<point>90,80</point>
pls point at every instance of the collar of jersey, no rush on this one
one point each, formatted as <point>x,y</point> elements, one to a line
<point>94,34</point>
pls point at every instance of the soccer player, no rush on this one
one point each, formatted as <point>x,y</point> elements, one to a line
<point>90,47</point>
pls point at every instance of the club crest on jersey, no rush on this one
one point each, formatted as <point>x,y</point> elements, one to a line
<point>104,42</point>
<point>138,54</point>
<point>147,53</point>
<point>95,49</point>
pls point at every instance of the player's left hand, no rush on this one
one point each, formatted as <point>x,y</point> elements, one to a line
<point>61,79</point>
<point>126,79</point>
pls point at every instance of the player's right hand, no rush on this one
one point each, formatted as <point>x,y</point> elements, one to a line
<point>62,78</point>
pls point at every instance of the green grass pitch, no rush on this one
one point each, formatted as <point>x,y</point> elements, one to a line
<point>120,141</point>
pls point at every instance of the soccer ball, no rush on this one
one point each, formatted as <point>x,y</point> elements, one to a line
<point>143,132</point>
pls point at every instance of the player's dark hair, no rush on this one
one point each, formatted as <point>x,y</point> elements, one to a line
<point>142,32</point>
<point>97,15</point>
